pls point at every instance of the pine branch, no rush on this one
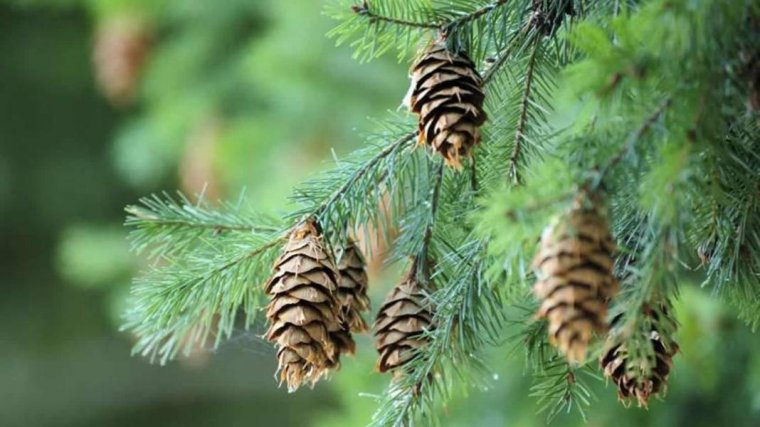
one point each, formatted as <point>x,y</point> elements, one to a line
<point>514,158</point>
<point>168,227</point>
<point>360,172</point>
<point>181,306</point>
<point>504,55</point>
<point>475,14</point>
<point>376,27</point>
<point>562,388</point>
<point>468,315</point>
<point>422,260</point>
<point>633,139</point>
<point>365,10</point>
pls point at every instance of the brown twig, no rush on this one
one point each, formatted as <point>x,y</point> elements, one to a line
<point>521,123</point>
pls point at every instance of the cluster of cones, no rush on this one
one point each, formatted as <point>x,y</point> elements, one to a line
<point>316,304</point>
<point>575,284</point>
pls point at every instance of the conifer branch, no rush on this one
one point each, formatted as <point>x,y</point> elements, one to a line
<point>138,214</point>
<point>169,227</point>
<point>178,306</point>
<point>365,10</point>
<point>473,175</point>
<point>560,388</point>
<point>513,214</point>
<point>475,14</point>
<point>519,137</point>
<point>505,54</point>
<point>422,260</point>
<point>252,254</point>
<point>359,173</point>
<point>634,138</point>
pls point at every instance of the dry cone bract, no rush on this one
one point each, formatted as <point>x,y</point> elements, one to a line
<point>575,280</point>
<point>352,288</point>
<point>304,312</point>
<point>400,324</point>
<point>446,93</point>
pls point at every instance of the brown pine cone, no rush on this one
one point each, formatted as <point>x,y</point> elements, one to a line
<point>352,287</point>
<point>630,377</point>
<point>447,95</point>
<point>304,312</point>
<point>575,279</point>
<point>122,46</point>
<point>400,324</point>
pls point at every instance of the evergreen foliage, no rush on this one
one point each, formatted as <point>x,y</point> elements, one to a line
<point>642,103</point>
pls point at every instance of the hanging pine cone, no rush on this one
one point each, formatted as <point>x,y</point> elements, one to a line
<point>401,321</point>
<point>574,269</point>
<point>304,312</point>
<point>632,379</point>
<point>352,287</point>
<point>751,73</point>
<point>447,95</point>
<point>547,15</point>
<point>121,48</point>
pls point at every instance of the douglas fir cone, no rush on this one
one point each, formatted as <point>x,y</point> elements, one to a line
<point>447,95</point>
<point>401,323</point>
<point>575,281</point>
<point>304,313</point>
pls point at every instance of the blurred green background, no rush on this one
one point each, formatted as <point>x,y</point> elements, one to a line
<point>102,102</point>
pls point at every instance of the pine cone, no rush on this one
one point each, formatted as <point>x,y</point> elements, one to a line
<point>446,93</point>
<point>547,15</point>
<point>401,321</point>
<point>575,279</point>
<point>352,288</point>
<point>304,312</point>
<point>751,73</point>
<point>632,382</point>
<point>121,48</point>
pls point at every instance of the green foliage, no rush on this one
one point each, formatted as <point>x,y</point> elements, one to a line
<point>205,261</point>
<point>167,227</point>
<point>560,388</point>
<point>353,194</point>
